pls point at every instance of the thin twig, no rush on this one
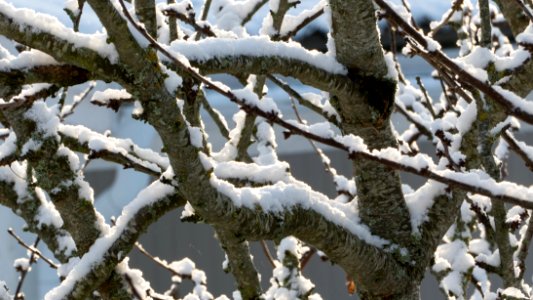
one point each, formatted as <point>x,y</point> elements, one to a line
<point>205,10</point>
<point>423,129</point>
<point>252,12</point>
<point>215,115</point>
<point>136,293</point>
<point>513,143</point>
<point>189,19</point>
<point>428,103</point>
<point>307,257</point>
<point>301,100</point>
<point>32,249</point>
<point>264,246</point>
<point>313,145</point>
<point>24,272</point>
<point>455,7</point>
<point>413,21</point>
<point>393,46</point>
<point>77,101</point>
<point>301,25</point>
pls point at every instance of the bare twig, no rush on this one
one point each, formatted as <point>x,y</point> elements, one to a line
<point>215,115</point>
<point>301,25</point>
<point>136,292</point>
<point>428,103</point>
<point>77,101</point>
<point>205,10</point>
<point>32,249</point>
<point>513,143</point>
<point>25,271</point>
<point>307,257</point>
<point>301,100</point>
<point>268,255</point>
<point>252,12</point>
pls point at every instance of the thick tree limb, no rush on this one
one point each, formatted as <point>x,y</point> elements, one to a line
<point>145,10</point>
<point>60,75</point>
<point>514,15</point>
<point>264,65</point>
<point>357,44</point>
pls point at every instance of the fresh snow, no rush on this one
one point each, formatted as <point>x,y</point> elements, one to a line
<point>257,46</point>
<point>147,197</point>
<point>28,18</point>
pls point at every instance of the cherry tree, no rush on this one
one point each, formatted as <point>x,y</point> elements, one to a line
<point>464,223</point>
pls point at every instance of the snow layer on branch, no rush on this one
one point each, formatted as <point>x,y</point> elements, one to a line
<point>16,174</point>
<point>481,179</point>
<point>420,201</point>
<point>475,179</point>
<point>110,94</point>
<point>250,98</point>
<point>453,257</point>
<point>22,264</point>
<point>290,22</point>
<point>99,142</point>
<point>281,197</point>
<point>526,37</point>
<point>513,293</point>
<point>262,46</point>
<point>156,191</point>
<point>183,7</point>
<point>517,101</point>
<point>479,58</point>
<point>45,118</point>
<point>49,24</point>
<point>9,146</point>
<point>26,59</point>
<point>253,172</point>
<point>47,214</point>
<point>172,80</point>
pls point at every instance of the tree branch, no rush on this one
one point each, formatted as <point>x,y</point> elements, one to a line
<point>145,10</point>
<point>357,45</point>
<point>241,264</point>
<point>95,267</point>
<point>124,152</point>
<point>516,107</point>
<point>28,208</point>
<point>64,44</point>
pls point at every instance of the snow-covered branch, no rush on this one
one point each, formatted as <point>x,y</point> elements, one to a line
<point>110,249</point>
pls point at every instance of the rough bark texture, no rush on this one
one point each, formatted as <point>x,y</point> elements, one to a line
<point>380,199</point>
<point>364,98</point>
